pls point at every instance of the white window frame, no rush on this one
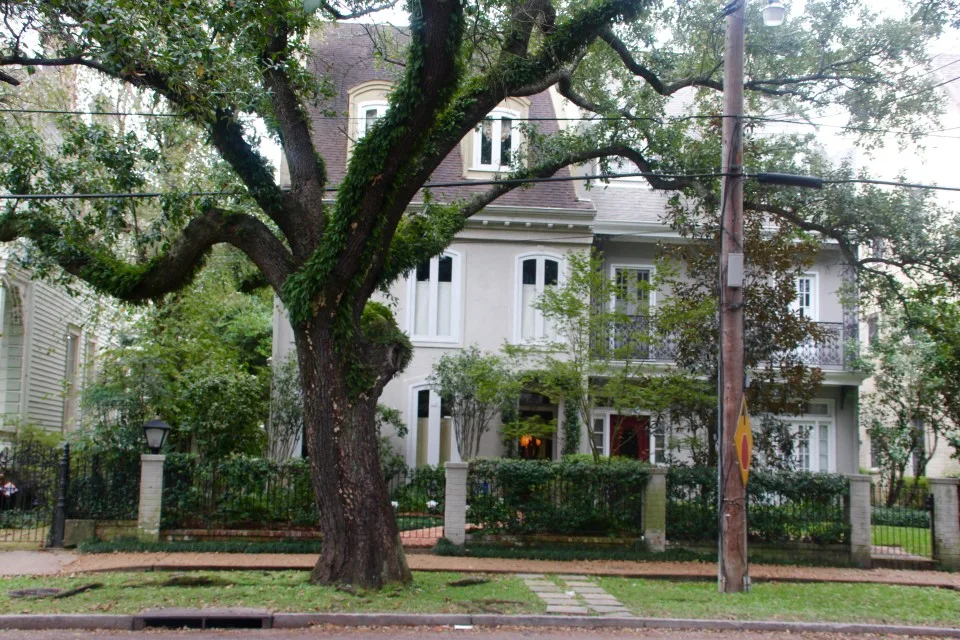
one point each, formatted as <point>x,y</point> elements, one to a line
<point>814,295</point>
<point>635,267</point>
<point>71,379</point>
<point>495,151</point>
<point>814,421</point>
<point>382,107</point>
<point>456,278</point>
<point>433,428</point>
<point>538,322</point>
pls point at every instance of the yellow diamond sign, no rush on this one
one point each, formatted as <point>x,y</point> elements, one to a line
<point>743,437</point>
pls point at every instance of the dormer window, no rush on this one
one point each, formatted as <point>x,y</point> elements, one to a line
<point>495,142</point>
<point>369,113</point>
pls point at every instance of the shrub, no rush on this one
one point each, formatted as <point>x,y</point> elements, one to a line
<point>783,506</point>
<point>568,497</point>
<point>900,517</point>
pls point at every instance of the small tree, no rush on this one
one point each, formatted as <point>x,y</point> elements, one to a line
<point>905,416</point>
<point>477,386</point>
<point>591,359</point>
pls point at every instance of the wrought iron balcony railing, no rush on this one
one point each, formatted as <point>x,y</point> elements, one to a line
<point>636,339</point>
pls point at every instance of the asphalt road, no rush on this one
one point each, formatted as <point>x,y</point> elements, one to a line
<point>427,633</point>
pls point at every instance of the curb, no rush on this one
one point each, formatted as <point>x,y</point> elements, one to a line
<point>305,620</point>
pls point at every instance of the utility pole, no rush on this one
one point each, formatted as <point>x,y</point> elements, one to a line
<point>733,576</point>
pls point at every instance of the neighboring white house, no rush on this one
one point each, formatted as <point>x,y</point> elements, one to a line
<point>48,347</point>
<point>481,290</point>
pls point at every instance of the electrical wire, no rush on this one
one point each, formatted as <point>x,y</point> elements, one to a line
<point>469,183</point>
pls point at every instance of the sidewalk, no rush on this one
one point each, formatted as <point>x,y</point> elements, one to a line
<point>45,563</point>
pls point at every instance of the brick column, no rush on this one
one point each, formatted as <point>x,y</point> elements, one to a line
<point>858,514</point>
<point>455,503</point>
<point>655,510</point>
<point>151,494</point>
<point>946,521</point>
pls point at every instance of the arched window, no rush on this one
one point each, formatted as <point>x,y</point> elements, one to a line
<point>368,114</point>
<point>434,291</point>
<point>535,275</point>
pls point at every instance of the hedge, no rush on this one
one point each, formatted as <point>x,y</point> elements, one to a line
<point>104,485</point>
<point>900,517</point>
<point>784,506</point>
<point>258,493</point>
<point>568,497</point>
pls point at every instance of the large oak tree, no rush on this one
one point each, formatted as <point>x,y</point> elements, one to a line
<point>220,63</point>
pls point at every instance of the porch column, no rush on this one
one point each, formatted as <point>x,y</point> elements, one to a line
<point>151,496</point>
<point>455,503</point>
<point>655,510</point>
<point>946,521</point>
<point>858,516</point>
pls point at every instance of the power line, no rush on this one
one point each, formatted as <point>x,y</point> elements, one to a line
<point>471,183</point>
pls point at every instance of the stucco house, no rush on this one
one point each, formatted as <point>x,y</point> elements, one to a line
<point>482,289</point>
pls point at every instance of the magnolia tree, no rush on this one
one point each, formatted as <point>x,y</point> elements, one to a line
<point>221,66</point>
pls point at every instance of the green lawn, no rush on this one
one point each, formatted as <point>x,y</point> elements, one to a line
<point>913,540</point>
<point>408,523</point>
<point>825,602</point>
<point>275,590</point>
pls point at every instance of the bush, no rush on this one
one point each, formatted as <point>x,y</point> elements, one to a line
<point>900,517</point>
<point>104,485</point>
<point>568,497</point>
<point>240,492</point>
<point>419,490</point>
<point>783,506</point>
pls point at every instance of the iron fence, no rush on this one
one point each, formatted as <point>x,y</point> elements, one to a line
<point>29,474</point>
<point>787,511</point>
<point>104,485</point>
<point>417,497</point>
<point>901,521</point>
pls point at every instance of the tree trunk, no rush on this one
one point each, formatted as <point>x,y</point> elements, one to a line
<point>361,543</point>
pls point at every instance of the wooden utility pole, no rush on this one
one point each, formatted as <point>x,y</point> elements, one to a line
<point>733,576</point>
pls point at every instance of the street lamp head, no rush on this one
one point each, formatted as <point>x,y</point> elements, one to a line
<point>156,432</point>
<point>774,13</point>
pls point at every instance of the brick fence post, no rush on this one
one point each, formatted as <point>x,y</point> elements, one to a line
<point>655,510</point>
<point>858,514</point>
<point>946,521</point>
<point>151,497</point>
<point>455,503</point>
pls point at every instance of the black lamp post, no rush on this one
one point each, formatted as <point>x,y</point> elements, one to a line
<point>156,432</point>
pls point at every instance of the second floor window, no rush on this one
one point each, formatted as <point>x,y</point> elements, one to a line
<point>633,290</point>
<point>434,299</point>
<point>805,304</point>
<point>495,142</point>
<point>537,274</point>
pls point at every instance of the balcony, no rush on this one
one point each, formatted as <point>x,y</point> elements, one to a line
<point>828,352</point>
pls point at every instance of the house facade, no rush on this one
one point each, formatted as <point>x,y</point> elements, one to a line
<point>48,347</point>
<point>482,289</point>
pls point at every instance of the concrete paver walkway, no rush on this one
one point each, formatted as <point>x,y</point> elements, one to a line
<point>45,563</point>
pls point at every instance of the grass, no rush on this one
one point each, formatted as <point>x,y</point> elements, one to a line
<point>915,540</point>
<point>409,523</point>
<point>825,602</point>
<point>276,590</point>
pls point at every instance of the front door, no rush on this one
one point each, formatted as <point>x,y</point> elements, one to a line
<point>630,437</point>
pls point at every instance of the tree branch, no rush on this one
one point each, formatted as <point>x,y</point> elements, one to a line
<point>337,15</point>
<point>164,273</point>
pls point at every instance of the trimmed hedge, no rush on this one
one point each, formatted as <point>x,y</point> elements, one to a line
<point>104,485</point>
<point>568,497</point>
<point>900,517</point>
<point>788,506</point>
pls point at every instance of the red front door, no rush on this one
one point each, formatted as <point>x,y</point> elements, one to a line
<point>630,437</point>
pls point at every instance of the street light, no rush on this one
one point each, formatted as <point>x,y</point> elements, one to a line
<point>774,13</point>
<point>732,575</point>
<point>156,432</point>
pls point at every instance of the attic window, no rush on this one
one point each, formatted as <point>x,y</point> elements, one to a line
<point>495,142</point>
<point>368,114</point>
